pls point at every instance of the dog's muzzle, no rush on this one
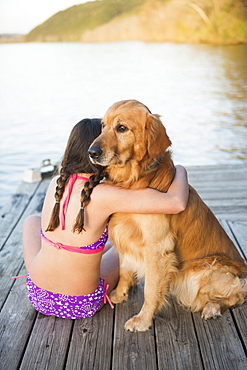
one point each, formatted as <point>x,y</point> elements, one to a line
<point>94,153</point>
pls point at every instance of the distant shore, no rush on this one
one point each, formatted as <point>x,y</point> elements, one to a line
<point>12,38</point>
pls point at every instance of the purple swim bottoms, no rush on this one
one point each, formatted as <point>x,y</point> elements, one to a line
<point>67,306</point>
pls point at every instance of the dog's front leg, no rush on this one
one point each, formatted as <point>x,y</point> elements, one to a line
<point>157,280</point>
<point>126,280</point>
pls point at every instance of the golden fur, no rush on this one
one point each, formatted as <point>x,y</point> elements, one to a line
<point>188,255</point>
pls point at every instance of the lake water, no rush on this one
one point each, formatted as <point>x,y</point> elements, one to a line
<point>45,88</point>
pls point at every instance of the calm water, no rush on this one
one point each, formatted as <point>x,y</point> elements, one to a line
<point>199,90</point>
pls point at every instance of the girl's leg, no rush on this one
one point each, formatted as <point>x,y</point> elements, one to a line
<point>31,241</point>
<point>110,268</point>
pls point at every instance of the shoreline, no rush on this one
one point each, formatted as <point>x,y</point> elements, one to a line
<point>12,39</point>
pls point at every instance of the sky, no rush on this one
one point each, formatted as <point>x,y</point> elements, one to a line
<point>21,16</point>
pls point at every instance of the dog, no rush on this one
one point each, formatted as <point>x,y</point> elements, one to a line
<point>187,255</point>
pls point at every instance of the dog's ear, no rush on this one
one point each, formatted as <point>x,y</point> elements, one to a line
<point>157,138</point>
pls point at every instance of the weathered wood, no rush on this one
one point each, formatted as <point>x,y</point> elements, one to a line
<point>240,232</point>
<point>16,322</point>
<point>11,260</point>
<point>14,208</point>
<point>230,184</point>
<point>48,344</point>
<point>223,192</point>
<point>231,213</point>
<point>177,346</point>
<point>237,213</point>
<point>218,167</point>
<point>91,342</point>
<point>238,171</point>
<point>218,177</point>
<point>132,350</point>
<point>219,343</point>
<point>235,204</point>
<point>240,316</point>
<point>223,189</point>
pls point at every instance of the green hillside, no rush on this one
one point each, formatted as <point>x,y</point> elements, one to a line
<point>70,24</point>
<point>195,21</point>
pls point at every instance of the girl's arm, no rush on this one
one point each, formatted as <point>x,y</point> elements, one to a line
<point>179,188</point>
<point>112,199</point>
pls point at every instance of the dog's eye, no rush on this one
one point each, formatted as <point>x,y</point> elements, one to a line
<point>122,128</point>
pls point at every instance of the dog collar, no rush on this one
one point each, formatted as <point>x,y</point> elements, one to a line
<point>155,162</point>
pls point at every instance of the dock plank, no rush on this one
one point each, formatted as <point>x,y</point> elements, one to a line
<point>217,193</point>
<point>48,344</point>
<point>240,232</point>
<point>132,350</point>
<point>91,342</point>
<point>14,208</point>
<point>240,316</point>
<point>220,345</point>
<point>16,323</point>
<point>177,346</point>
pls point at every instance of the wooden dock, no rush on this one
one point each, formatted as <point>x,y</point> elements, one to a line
<point>177,339</point>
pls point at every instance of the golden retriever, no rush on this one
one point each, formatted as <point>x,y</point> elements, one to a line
<point>187,255</point>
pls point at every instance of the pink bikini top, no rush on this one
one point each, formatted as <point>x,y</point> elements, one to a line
<point>95,247</point>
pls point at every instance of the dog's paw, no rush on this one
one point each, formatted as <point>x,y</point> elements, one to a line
<point>211,311</point>
<point>137,323</point>
<point>118,297</point>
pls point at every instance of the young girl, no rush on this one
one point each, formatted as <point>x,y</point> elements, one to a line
<point>66,258</point>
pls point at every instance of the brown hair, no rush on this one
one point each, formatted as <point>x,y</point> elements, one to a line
<point>76,160</point>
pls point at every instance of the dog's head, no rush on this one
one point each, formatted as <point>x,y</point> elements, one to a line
<point>130,132</point>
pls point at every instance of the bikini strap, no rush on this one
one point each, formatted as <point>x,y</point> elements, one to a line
<point>71,183</point>
<point>106,297</point>
<point>71,248</point>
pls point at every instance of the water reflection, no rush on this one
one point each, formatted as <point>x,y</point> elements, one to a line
<point>234,63</point>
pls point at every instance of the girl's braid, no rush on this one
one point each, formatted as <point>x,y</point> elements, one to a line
<point>86,197</point>
<point>61,182</point>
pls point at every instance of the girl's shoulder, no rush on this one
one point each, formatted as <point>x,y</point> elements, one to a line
<point>111,198</point>
<point>104,191</point>
<point>103,195</point>
<point>50,193</point>
<point>53,183</point>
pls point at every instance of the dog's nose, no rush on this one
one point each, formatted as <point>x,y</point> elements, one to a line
<point>94,152</point>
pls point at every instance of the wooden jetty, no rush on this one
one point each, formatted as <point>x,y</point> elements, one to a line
<point>177,339</point>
